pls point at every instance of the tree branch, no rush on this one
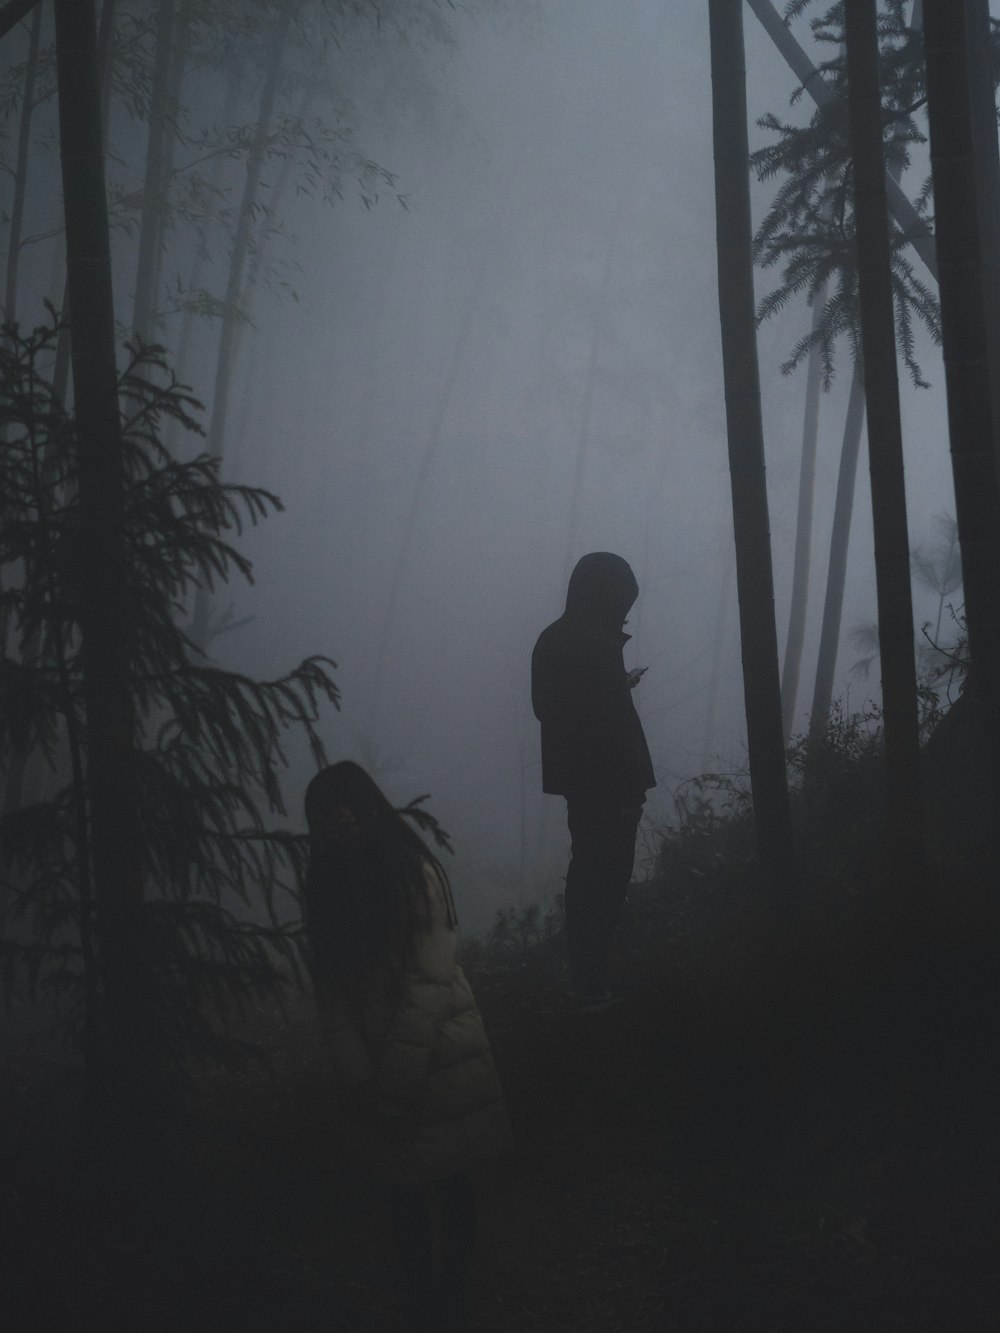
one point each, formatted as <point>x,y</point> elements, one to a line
<point>815,85</point>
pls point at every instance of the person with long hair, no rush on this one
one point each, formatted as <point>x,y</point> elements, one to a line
<point>407,1042</point>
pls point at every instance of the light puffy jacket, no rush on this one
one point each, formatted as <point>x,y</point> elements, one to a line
<point>438,1102</point>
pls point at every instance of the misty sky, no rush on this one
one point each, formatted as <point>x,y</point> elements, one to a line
<point>522,365</point>
<point>550,289</point>
<point>545,306</point>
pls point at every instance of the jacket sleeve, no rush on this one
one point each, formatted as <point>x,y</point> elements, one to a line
<point>425,987</point>
<point>603,727</point>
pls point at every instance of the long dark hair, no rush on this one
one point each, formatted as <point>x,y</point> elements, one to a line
<point>366,892</point>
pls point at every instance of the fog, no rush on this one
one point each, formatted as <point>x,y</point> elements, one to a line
<point>522,366</point>
<point>459,394</point>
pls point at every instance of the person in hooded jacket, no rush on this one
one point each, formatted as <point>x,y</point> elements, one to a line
<point>406,1039</point>
<point>594,753</point>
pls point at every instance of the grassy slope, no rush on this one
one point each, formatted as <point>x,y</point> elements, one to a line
<point>770,1133</point>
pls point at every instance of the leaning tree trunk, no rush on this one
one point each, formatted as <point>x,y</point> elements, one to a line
<point>104,603</point>
<point>885,443</point>
<point>966,235</point>
<point>13,12</point>
<point>826,661</point>
<point>17,768</point>
<point>754,576</point>
<point>836,574</point>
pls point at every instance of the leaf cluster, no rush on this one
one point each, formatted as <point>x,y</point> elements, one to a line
<point>809,232</point>
<point>209,743</point>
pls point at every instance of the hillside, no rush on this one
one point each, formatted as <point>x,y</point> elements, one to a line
<point>776,1130</point>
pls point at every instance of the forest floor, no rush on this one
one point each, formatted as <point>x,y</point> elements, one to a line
<point>775,1130</point>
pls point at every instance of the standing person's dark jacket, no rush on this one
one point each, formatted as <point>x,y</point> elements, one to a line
<point>592,738</point>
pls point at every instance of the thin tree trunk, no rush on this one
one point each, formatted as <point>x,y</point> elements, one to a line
<point>755,582</point>
<point>21,170</point>
<point>964,182</point>
<point>418,494</point>
<point>151,216</point>
<point>885,444</point>
<point>590,378</point>
<point>183,348</point>
<point>232,311</point>
<point>836,574</point>
<point>715,671</point>
<point>815,85</point>
<point>802,558</point>
<point>104,612</point>
<point>241,236</point>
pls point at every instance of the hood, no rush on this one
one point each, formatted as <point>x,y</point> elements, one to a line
<point>602,589</point>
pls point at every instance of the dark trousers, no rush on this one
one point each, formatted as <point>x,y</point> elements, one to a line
<point>603,831</point>
<point>434,1278</point>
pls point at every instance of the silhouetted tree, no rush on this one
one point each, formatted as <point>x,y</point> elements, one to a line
<point>809,231</point>
<point>746,442</point>
<point>205,745</point>
<point>159,134</point>
<point>836,572</point>
<point>885,445</point>
<point>21,167</point>
<point>103,604</point>
<point>967,232</point>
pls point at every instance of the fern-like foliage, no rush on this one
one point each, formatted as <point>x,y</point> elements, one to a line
<point>220,878</point>
<point>808,231</point>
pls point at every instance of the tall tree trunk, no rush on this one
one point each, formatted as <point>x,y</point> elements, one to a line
<point>885,443</point>
<point>963,162</point>
<point>836,574</point>
<point>13,792</point>
<point>802,558</point>
<point>151,216</point>
<point>104,609</point>
<point>987,190</point>
<point>841,531</point>
<point>232,311</point>
<point>105,34</point>
<point>21,169</point>
<point>754,576</point>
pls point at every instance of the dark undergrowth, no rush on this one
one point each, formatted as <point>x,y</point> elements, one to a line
<point>779,1128</point>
